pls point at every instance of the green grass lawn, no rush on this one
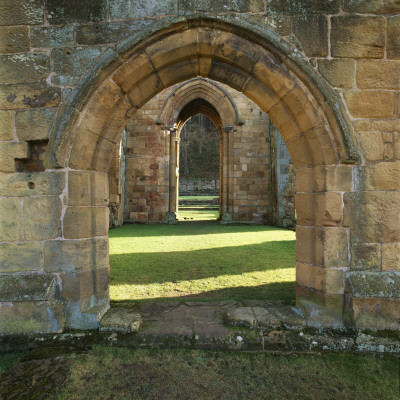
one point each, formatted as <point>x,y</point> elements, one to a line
<point>119,373</point>
<point>202,260</point>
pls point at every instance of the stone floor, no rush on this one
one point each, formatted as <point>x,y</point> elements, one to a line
<point>245,325</point>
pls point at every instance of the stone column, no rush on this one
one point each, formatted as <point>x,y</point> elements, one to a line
<point>177,142</point>
<point>226,156</point>
<point>172,205</point>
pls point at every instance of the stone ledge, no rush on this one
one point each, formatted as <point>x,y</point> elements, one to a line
<point>374,284</point>
<point>121,320</point>
<point>14,287</point>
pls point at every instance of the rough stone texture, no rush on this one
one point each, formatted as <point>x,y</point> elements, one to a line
<point>31,316</point>
<point>371,104</point>
<point>68,63</point>
<point>378,75</point>
<point>35,287</point>
<point>376,313</point>
<point>85,222</point>
<point>120,320</point>
<point>24,68</point>
<point>52,36</point>
<point>42,218</point>
<point>9,152</point>
<point>69,11</point>
<point>10,226</point>
<point>373,216</point>
<point>373,7</point>
<point>338,72</point>
<point>393,45</point>
<point>358,37</point>
<point>303,7</point>
<point>391,256</point>
<point>14,39</point>
<point>21,12</point>
<point>5,125</point>
<point>75,255</point>
<point>312,32</point>
<point>365,256</point>
<point>34,124</point>
<point>30,95</point>
<point>102,33</point>
<point>17,257</point>
<point>31,184</point>
<point>87,188</point>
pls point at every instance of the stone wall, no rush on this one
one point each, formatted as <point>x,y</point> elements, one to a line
<point>73,73</point>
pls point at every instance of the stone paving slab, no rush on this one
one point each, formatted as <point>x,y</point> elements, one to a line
<point>121,319</point>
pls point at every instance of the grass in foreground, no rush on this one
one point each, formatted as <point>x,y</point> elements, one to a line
<point>9,359</point>
<point>202,260</point>
<point>117,373</point>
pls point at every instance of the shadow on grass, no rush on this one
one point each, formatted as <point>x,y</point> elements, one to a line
<point>175,266</point>
<point>184,228</point>
<point>284,291</point>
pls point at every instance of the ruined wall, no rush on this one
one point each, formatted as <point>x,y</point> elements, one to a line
<point>250,184</point>
<point>72,73</point>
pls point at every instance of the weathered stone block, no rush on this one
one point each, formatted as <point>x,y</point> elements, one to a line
<point>374,284</point>
<point>69,63</point>
<point>31,317</point>
<point>393,40</point>
<point>120,9</point>
<point>16,257</point>
<point>42,217</point>
<point>69,11</point>
<point>391,256</point>
<point>11,151</point>
<point>14,39</point>
<point>120,319</point>
<point>334,281</point>
<point>109,32</point>
<point>87,188</point>
<point>380,176</point>
<point>373,216</point>
<point>52,36</point>
<point>5,125</point>
<point>371,144</point>
<point>10,226</point>
<point>21,12</point>
<point>31,95</point>
<point>15,287</point>
<point>358,37</point>
<point>85,222</point>
<point>365,256</point>
<point>18,68</point>
<point>371,104</point>
<point>321,209</point>
<point>32,184</point>
<point>376,313</point>
<point>310,276</point>
<point>378,74</point>
<point>373,7</point>
<point>312,31</point>
<point>75,255</point>
<point>339,73</point>
<point>336,252</point>
<point>320,179</point>
<point>303,7</point>
<point>80,285</point>
<point>34,124</point>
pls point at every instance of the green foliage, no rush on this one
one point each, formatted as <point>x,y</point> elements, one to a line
<point>119,373</point>
<point>202,260</point>
<point>199,149</point>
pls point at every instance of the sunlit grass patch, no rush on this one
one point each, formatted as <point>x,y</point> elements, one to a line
<point>206,261</point>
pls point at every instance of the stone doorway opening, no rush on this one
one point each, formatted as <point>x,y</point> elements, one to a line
<point>199,170</point>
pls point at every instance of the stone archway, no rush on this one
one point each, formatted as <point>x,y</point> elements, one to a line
<point>308,118</point>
